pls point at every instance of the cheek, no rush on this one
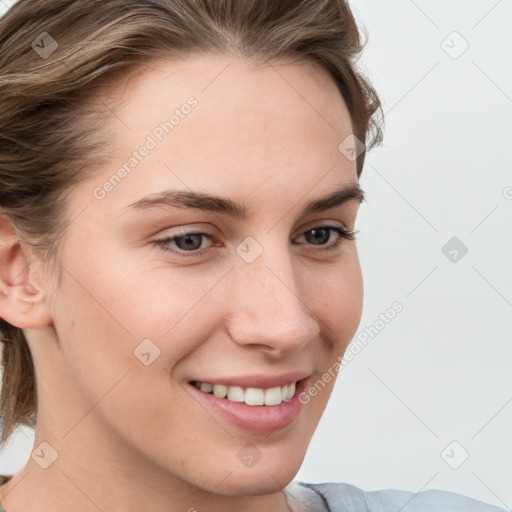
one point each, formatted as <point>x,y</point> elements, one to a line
<point>335,295</point>
<point>349,305</point>
<point>105,372</point>
<point>96,345</point>
<point>337,302</point>
<point>113,319</point>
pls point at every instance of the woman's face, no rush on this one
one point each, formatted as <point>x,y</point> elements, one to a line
<point>259,300</point>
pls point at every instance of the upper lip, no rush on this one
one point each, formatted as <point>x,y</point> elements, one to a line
<point>257,380</point>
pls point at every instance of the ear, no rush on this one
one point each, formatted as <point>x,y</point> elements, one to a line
<point>22,297</point>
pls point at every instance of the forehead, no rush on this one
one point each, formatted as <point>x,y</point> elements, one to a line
<point>226,77</point>
<point>249,125</point>
<point>231,93</point>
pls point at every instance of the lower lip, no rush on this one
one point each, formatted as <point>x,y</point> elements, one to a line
<point>257,419</point>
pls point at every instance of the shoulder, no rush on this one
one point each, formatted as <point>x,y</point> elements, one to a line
<point>342,497</point>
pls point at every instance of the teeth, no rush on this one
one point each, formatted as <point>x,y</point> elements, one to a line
<point>254,396</point>
<point>273,396</point>
<point>206,387</point>
<point>251,396</point>
<point>220,391</point>
<point>291,390</point>
<point>236,394</point>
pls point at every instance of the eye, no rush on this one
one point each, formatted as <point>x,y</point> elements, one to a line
<point>185,242</point>
<point>320,235</point>
<point>189,244</point>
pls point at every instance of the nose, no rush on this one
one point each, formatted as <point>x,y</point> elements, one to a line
<point>268,308</point>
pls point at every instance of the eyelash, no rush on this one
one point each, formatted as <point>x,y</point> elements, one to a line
<point>344,234</point>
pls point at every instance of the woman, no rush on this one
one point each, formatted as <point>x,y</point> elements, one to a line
<point>179,188</point>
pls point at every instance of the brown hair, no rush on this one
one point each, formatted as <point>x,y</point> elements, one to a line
<point>47,135</point>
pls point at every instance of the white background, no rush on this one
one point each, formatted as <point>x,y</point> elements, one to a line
<point>441,370</point>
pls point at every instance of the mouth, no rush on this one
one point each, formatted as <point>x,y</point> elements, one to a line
<point>251,395</point>
<point>259,410</point>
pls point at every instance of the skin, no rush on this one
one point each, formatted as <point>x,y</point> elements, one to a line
<point>130,435</point>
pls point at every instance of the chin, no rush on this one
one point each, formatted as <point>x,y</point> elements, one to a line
<point>254,485</point>
<point>259,480</point>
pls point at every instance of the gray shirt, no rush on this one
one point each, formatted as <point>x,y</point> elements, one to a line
<point>339,497</point>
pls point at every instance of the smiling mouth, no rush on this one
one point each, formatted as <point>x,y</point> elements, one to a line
<point>249,395</point>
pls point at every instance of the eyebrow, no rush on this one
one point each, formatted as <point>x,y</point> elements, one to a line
<point>227,206</point>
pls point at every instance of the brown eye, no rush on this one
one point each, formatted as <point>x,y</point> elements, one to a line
<point>320,235</point>
<point>192,241</point>
<point>186,244</point>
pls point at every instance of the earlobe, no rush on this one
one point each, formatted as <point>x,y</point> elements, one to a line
<point>22,297</point>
